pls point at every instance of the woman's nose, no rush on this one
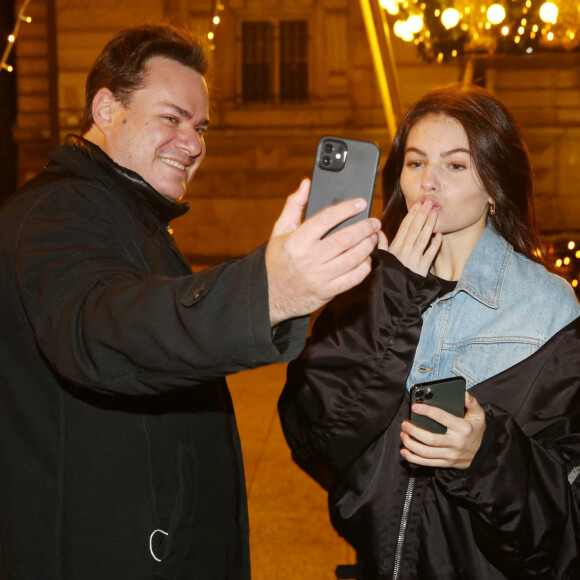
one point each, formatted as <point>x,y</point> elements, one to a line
<point>429,179</point>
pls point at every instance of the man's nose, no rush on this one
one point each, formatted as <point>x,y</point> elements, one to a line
<point>191,142</point>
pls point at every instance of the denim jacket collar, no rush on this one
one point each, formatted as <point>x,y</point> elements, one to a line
<point>484,274</point>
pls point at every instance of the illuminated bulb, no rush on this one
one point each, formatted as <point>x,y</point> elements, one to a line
<point>216,19</point>
<point>401,30</point>
<point>521,30</point>
<point>535,28</point>
<point>26,19</point>
<point>505,30</point>
<point>574,283</point>
<point>415,23</point>
<point>496,13</point>
<point>550,36</point>
<point>440,57</point>
<point>11,38</point>
<point>487,26</point>
<point>558,263</point>
<point>566,261</point>
<point>437,12</point>
<point>524,21</point>
<point>571,245</point>
<point>578,254</point>
<point>549,12</point>
<point>517,39</point>
<point>454,53</point>
<point>391,6</point>
<point>8,67</point>
<point>210,35</point>
<point>450,18</point>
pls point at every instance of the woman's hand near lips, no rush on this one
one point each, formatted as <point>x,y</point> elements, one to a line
<point>415,246</point>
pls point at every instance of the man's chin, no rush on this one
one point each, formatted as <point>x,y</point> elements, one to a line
<point>172,193</point>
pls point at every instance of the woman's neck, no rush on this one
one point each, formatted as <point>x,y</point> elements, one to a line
<point>455,250</point>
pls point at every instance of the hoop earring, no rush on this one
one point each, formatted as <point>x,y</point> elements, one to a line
<point>492,209</point>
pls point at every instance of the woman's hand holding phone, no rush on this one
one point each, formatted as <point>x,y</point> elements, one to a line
<point>415,246</point>
<point>456,448</point>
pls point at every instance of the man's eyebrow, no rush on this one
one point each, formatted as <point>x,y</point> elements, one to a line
<point>185,113</point>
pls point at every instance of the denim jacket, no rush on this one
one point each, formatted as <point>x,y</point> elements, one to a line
<point>502,310</point>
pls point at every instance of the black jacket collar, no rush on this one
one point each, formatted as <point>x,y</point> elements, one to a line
<point>85,159</point>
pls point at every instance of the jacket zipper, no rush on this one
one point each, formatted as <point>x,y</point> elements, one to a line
<point>403,527</point>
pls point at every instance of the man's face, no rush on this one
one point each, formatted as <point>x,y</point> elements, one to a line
<point>160,134</point>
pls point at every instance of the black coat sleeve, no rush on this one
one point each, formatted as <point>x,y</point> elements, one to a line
<point>115,309</point>
<point>344,389</point>
<point>523,500</point>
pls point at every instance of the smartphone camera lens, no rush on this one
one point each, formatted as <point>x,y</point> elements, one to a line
<point>328,147</point>
<point>326,160</point>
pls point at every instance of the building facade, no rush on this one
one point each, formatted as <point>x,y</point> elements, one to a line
<point>283,74</point>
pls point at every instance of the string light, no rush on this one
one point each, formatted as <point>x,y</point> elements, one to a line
<point>561,250</point>
<point>444,29</point>
<point>219,7</point>
<point>12,37</point>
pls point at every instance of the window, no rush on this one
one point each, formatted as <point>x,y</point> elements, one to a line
<point>274,61</point>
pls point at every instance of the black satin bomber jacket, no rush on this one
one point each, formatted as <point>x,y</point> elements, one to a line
<point>515,513</point>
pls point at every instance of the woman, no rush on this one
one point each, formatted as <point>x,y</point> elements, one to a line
<point>460,292</point>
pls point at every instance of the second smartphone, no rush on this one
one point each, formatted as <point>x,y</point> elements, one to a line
<point>343,169</point>
<point>447,394</point>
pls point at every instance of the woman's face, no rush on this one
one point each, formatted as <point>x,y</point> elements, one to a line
<point>438,165</point>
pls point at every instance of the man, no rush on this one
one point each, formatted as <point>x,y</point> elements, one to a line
<point>119,454</point>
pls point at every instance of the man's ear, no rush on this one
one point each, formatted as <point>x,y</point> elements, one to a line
<point>104,107</point>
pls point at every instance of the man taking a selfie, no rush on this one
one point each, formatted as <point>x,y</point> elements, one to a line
<point>120,456</point>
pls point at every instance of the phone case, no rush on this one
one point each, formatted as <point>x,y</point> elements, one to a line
<point>447,394</point>
<point>343,169</point>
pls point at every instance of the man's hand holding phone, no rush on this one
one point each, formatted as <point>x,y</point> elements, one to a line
<point>306,267</point>
<point>456,447</point>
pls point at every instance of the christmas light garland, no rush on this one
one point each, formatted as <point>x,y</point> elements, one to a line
<point>14,35</point>
<point>445,29</point>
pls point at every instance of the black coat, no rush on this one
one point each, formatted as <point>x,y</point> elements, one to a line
<point>120,456</point>
<point>515,513</point>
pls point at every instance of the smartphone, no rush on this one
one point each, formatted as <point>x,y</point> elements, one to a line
<point>343,169</point>
<point>447,394</point>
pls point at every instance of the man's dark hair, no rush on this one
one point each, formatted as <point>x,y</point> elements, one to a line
<point>499,155</point>
<point>122,65</point>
